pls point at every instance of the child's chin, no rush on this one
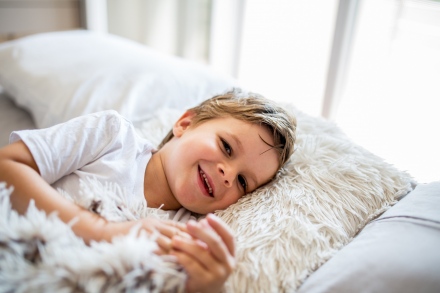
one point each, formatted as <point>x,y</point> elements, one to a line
<point>197,210</point>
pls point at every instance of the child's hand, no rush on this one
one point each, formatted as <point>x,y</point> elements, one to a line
<point>208,258</point>
<point>166,230</point>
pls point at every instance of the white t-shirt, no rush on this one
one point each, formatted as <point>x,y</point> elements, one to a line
<point>103,146</point>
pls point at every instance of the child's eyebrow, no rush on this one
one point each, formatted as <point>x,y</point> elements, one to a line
<point>237,141</point>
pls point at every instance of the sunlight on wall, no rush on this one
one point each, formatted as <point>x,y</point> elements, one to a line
<point>285,50</point>
<point>391,101</point>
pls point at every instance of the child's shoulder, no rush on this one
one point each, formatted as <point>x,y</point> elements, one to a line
<point>106,116</point>
<point>109,114</point>
<point>108,121</point>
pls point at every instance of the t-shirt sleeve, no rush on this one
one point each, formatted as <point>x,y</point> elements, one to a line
<point>61,149</point>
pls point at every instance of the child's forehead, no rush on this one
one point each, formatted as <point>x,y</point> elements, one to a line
<point>239,127</point>
<point>231,119</point>
<point>226,122</point>
<point>242,129</point>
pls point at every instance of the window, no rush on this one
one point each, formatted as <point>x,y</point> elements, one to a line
<point>285,49</point>
<point>392,91</point>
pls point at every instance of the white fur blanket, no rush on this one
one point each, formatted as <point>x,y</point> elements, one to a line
<point>328,191</point>
<point>39,253</point>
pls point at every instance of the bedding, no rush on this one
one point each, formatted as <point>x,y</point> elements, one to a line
<point>61,75</point>
<point>12,118</point>
<point>328,192</point>
<point>40,253</point>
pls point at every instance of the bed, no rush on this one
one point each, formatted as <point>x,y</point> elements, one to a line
<point>336,218</point>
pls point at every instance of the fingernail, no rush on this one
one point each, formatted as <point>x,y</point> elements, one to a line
<point>192,223</point>
<point>204,223</point>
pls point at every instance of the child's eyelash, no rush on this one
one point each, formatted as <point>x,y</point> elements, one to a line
<point>226,147</point>
<point>242,182</point>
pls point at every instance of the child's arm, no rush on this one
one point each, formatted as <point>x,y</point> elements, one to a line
<point>19,169</point>
<point>208,258</point>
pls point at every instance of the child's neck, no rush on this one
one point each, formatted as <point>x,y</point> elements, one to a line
<point>156,188</point>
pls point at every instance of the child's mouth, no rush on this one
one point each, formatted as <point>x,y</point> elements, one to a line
<point>205,181</point>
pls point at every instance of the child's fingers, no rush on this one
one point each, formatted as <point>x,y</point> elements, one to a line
<point>205,233</point>
<point>178,225</point>
<point>167,228</point>
<point>164,231</point>
<point>170,231</point>
<point>223,231</point>
<point>198,276</point>
<point>205,273</point>
<point>198,251</point>
<point>164,244</point>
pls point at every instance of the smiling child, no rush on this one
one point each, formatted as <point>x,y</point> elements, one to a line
<point>215,153</point>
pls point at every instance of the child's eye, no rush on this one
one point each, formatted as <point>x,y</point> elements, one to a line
<point>242,182</point>
<point>227,147</point>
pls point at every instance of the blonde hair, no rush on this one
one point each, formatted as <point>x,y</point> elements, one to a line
<point>252,108</point>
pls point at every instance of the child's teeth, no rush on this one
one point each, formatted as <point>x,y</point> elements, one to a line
<point>206,181</point>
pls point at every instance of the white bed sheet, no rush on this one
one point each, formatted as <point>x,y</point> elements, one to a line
<point>12,118</point>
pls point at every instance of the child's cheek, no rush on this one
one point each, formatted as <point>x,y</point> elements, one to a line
<point>203,146</point>
<point>211,148</point>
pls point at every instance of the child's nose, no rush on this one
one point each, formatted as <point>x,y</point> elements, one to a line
<point>226,175</point>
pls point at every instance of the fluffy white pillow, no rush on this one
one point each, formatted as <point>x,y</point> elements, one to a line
<point>61,75</point>
<point>329,190</point>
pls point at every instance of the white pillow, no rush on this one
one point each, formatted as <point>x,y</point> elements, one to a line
<point>328,191</point>
<point>61,75</point>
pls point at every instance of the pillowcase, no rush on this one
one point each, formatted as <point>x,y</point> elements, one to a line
<point>61,75</point>
<point>328,191</point>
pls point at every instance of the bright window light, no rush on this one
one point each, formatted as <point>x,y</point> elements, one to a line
<point>285,49</point>
<point>392,95</point>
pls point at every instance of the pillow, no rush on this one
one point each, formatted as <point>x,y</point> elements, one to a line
<point>61,75</point>
<point>12,118</point>
<point>328,191</point>
<point>388,255</point>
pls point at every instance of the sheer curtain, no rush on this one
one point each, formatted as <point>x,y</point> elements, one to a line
<point>392,92</point>
<point>178,27</point>
<point>285,49</point>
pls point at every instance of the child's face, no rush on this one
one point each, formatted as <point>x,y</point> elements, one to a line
<point>213,164</point>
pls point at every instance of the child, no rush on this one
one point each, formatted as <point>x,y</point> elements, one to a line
<point>215,153</point>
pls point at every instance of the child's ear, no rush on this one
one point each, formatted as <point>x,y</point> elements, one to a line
<point>183,123</point>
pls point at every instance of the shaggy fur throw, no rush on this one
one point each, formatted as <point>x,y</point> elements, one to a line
<point>329,190</point>
<point>40,253</point>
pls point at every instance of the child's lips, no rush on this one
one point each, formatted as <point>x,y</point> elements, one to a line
<point>205,183</point>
